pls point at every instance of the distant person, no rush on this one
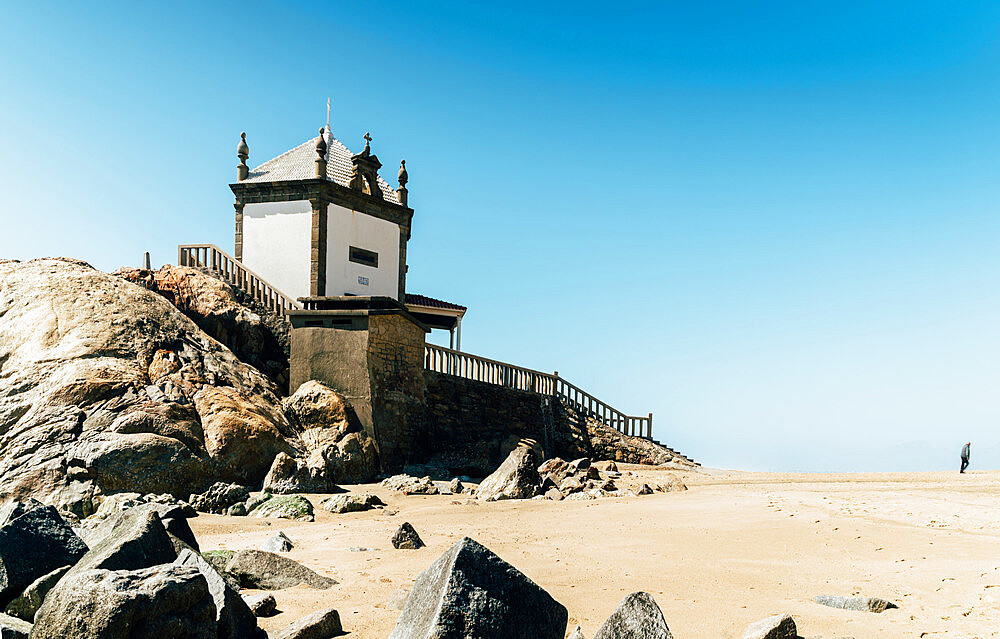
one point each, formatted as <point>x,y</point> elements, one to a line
<point>965,457</point>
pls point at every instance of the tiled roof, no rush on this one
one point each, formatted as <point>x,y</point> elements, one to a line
<point>300,164</point>
<point>423,300</point>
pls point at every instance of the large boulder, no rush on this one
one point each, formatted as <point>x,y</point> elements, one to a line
<point>637,617</point>
<point>232,614</point>
<point>139,541</point>
<point>268,571</point>
<point>108,387</point>
<point>32,545</point>
<point>470,592</point>
<point>173,516</point>
<point>164,601</point>
<point>219,497</point>
<point>254,333</point>
<point>333,446</point>
<point>406,538</point>
<point>516,478</point>
<point>411,485</point>
<point>289,475</point>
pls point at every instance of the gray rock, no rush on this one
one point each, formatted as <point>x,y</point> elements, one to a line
<point>611,467</point>
<point>164,601</point>
<point>257,500</point>
<point>28,602</point>
<point>14,509</point>
<point>237,510</point>
<point>516,478</point>
<point>268,571</point>
<point>645,490</point>
<point>294,507</point>
<point>13,628</point>
<point>577,633</point>
<point>398,599</point>
<point>637,617</point>
<point>278,543</point>
<point>470,592</point>
<point>351,503</point>
<point>219,559</point>
<point>140,541</point>
<point>864,604</point>
<point>455,486</point>
<point>411,485</point>
<point>580,465</point>
<point>554,494</point>
<point>406,538</point>
<point>776,627</point>
<point>34,542</point>
<point>262,604</point>
<point>319,625</point>
<point>289,475</point>
<point>219,497</point>
<point>570,485</point>
<point>232,615</point>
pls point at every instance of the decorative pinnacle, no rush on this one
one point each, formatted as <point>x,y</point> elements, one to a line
<point>402,176</point>
<point>368,139</point>
<point>242,150</point>
<point>321,144</point>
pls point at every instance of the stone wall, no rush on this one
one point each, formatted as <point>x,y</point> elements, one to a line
<point>469,427</point>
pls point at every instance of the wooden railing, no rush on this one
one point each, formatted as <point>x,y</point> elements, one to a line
<point>210,256</point>
<point>481,369</point>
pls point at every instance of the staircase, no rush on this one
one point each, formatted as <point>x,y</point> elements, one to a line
<point>229,269</point>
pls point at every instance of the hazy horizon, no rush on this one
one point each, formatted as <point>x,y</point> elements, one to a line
<point>773,227</point>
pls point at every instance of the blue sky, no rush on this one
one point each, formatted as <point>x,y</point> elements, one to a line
<point>774,227</point>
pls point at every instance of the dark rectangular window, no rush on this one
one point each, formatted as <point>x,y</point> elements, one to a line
<point>364,256</point>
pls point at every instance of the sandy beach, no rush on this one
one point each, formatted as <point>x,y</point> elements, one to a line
<point>734,548</point>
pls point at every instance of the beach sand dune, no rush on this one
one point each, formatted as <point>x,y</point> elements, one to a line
<point>735,548</point>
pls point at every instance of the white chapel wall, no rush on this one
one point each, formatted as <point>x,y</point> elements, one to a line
<point>277,244</point>
<point>347,228</point>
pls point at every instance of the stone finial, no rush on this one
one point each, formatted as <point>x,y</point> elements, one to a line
<point>368,146</point>
<point>321,155</point>
<point>364,172</point>
<point>403,179</point>
<point>243,153</point>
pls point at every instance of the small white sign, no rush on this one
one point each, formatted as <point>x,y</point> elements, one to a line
<point>362,280</point>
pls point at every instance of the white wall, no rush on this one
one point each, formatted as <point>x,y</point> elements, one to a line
<point>277,243</point>
<point>346,228</point>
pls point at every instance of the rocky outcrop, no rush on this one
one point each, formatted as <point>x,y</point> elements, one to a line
<point>637,617</point>
<point>255,334</point>
<point>268,571</point>
<point>470,592</point>
<point>33,544</point>
<point>164,601</point>
<point>516,478</point>
<point>406,538</point>
<point>107,387</point>
<point>776,627</point>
